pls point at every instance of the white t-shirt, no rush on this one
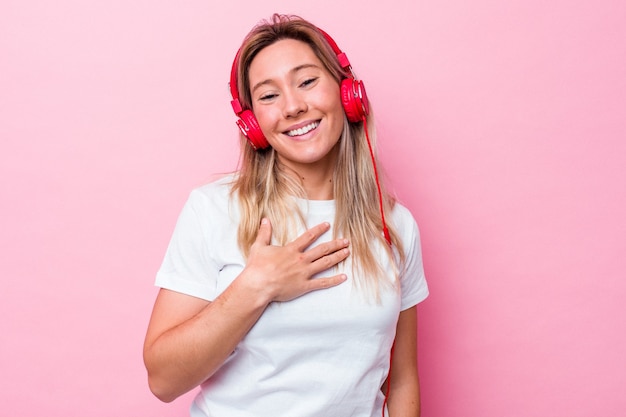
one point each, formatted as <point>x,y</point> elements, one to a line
<point>323,354</point>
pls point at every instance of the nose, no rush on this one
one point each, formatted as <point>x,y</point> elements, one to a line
<point>294,104</point>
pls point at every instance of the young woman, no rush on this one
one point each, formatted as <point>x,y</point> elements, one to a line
<point>290,287</point>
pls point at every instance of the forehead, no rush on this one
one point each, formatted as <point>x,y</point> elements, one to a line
<point>280,59</point>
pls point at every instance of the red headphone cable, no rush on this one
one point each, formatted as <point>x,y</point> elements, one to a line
<point>387,238</point>
<point>380,194</point>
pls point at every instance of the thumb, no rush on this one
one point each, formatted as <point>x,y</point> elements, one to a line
<point>265,232</point>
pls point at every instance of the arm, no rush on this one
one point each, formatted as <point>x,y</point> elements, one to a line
<point>404,392</point>
<point>188,339</point>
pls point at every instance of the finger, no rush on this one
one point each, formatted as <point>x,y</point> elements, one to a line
<point>323,283</point>
<point>326,248</point>
<point>264,236</point>
<point>328,261</point>
<point>311,235</point>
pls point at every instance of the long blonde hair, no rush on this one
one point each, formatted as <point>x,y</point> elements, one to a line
<point>265,188</point>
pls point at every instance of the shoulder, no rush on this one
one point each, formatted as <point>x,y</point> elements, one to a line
<point>401,212</point>
<point>405,226</point>
<point>215,195</point>
<point>402,217</point>
<point>218,188</point>
<point>210,213</point>
<point>413,281</point>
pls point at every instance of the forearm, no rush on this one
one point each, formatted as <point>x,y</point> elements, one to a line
<point>404,400</point>
<point>404,392</point>
<point>184,356</point>
<point>188,339</point>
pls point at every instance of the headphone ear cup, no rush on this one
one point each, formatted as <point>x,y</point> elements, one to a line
<point>354,99</point>
<point>249,126</point>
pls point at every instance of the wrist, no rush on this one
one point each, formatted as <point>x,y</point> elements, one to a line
<point>253,289</point>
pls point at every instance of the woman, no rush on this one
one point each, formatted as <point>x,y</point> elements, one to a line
<point>296,313</point>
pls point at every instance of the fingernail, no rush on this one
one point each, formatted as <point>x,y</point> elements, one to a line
<point>264,220</point>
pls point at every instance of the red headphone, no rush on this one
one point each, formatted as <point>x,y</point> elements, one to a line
<point>353,99</point>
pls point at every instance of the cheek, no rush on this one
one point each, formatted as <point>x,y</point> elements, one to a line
<point>334,104</point>
<point>338,116</point>
<point>265,118</point>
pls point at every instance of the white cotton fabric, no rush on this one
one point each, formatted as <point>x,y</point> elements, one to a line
<point>323,354</point>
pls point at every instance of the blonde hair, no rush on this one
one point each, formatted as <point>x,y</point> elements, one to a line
<point>265,188</point>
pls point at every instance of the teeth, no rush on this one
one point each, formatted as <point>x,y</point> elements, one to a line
<point>303,130</point>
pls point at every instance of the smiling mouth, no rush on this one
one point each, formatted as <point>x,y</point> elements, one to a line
<point>303,130</point>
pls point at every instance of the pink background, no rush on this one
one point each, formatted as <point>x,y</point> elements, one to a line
<point>502,127</point>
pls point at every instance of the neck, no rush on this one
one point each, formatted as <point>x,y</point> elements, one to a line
<point>318,188</point>
<point>316,178</point>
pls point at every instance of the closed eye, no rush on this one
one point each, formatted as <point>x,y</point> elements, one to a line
<point>308,82</point>
<point>268,97</point>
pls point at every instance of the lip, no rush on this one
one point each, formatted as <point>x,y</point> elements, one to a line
<point>300,126</point>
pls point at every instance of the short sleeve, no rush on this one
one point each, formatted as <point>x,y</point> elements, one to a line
<point>187,266</point>
<point>412,280</point>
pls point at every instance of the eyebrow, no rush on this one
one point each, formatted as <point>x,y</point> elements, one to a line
<point>292,71</point>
